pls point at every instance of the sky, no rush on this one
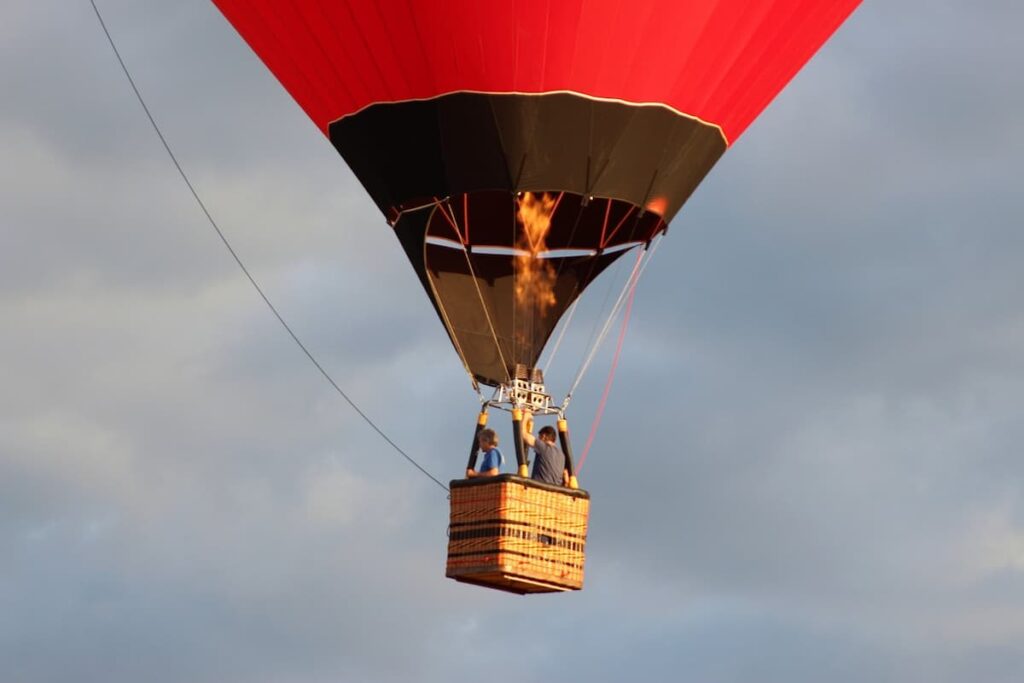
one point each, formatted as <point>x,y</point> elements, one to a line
<point>809,467</point>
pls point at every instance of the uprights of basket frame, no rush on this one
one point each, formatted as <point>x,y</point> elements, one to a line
<point>525,391</point>
<point>563,437</point>
<point>481,422</point>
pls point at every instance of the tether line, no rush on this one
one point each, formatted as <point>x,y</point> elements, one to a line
<point>241,265</point>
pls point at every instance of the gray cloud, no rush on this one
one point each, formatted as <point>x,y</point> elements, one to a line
<point>807,469</point>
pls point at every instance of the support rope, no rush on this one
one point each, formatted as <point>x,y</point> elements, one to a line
<point>608,383</point>
<point>242,266</point>
<point>638,270</point>
<point>604,330</point>
<point>561,333</point>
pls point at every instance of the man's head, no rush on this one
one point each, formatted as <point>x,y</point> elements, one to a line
<point>487,438</point>
<point>547,434</point>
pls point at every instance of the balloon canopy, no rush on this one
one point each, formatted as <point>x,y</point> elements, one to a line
<point>518,148</point>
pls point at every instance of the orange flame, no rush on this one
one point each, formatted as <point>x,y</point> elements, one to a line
<point>535,277</point>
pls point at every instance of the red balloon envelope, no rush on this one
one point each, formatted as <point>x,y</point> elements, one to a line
<point>607,113</point>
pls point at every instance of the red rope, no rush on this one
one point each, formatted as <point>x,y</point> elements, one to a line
<point>611,376</point>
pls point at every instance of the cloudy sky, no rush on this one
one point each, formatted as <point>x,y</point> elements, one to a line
<point>809,469</point>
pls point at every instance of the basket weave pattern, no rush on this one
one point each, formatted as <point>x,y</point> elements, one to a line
<point>514,535</point>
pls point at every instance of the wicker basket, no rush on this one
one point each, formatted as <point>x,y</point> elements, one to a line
<point>517,535</point>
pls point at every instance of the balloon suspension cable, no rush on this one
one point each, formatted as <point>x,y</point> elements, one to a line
<point>241,265</point>
<point>599,413</point>
<point>575,291</point>
<point>638,268</point>
<point>604,309</point>
<point>643,258</point>
<point>476,283</point>
<point>515,277</point>
<point>561,333</point>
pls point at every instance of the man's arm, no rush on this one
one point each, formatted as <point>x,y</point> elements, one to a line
<point>527,429</point>
<point>492,472</point>
<point>490,467</point>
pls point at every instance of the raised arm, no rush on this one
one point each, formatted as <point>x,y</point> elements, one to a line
<point>527,429</point>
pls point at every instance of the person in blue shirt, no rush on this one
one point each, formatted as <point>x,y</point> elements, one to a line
<point>490,466</point>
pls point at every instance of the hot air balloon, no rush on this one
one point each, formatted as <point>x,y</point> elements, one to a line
<point>517,149</point>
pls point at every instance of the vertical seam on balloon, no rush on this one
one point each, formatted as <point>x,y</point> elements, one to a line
<point>787,74</point>
<point>315,96</point>
<point>419,42</point>
<point>328,56</point>
<point>545,43</point>
<point>515,42</point>
<point>391,42</point>
<point>366,46</point>
<point>685,69</point>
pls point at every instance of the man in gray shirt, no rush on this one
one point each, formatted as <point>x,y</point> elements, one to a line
<point>549,465</point>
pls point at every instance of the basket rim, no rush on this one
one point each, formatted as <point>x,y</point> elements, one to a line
<point>516,479</point>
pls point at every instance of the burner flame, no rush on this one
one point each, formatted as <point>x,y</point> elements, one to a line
<point>535,276</point>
